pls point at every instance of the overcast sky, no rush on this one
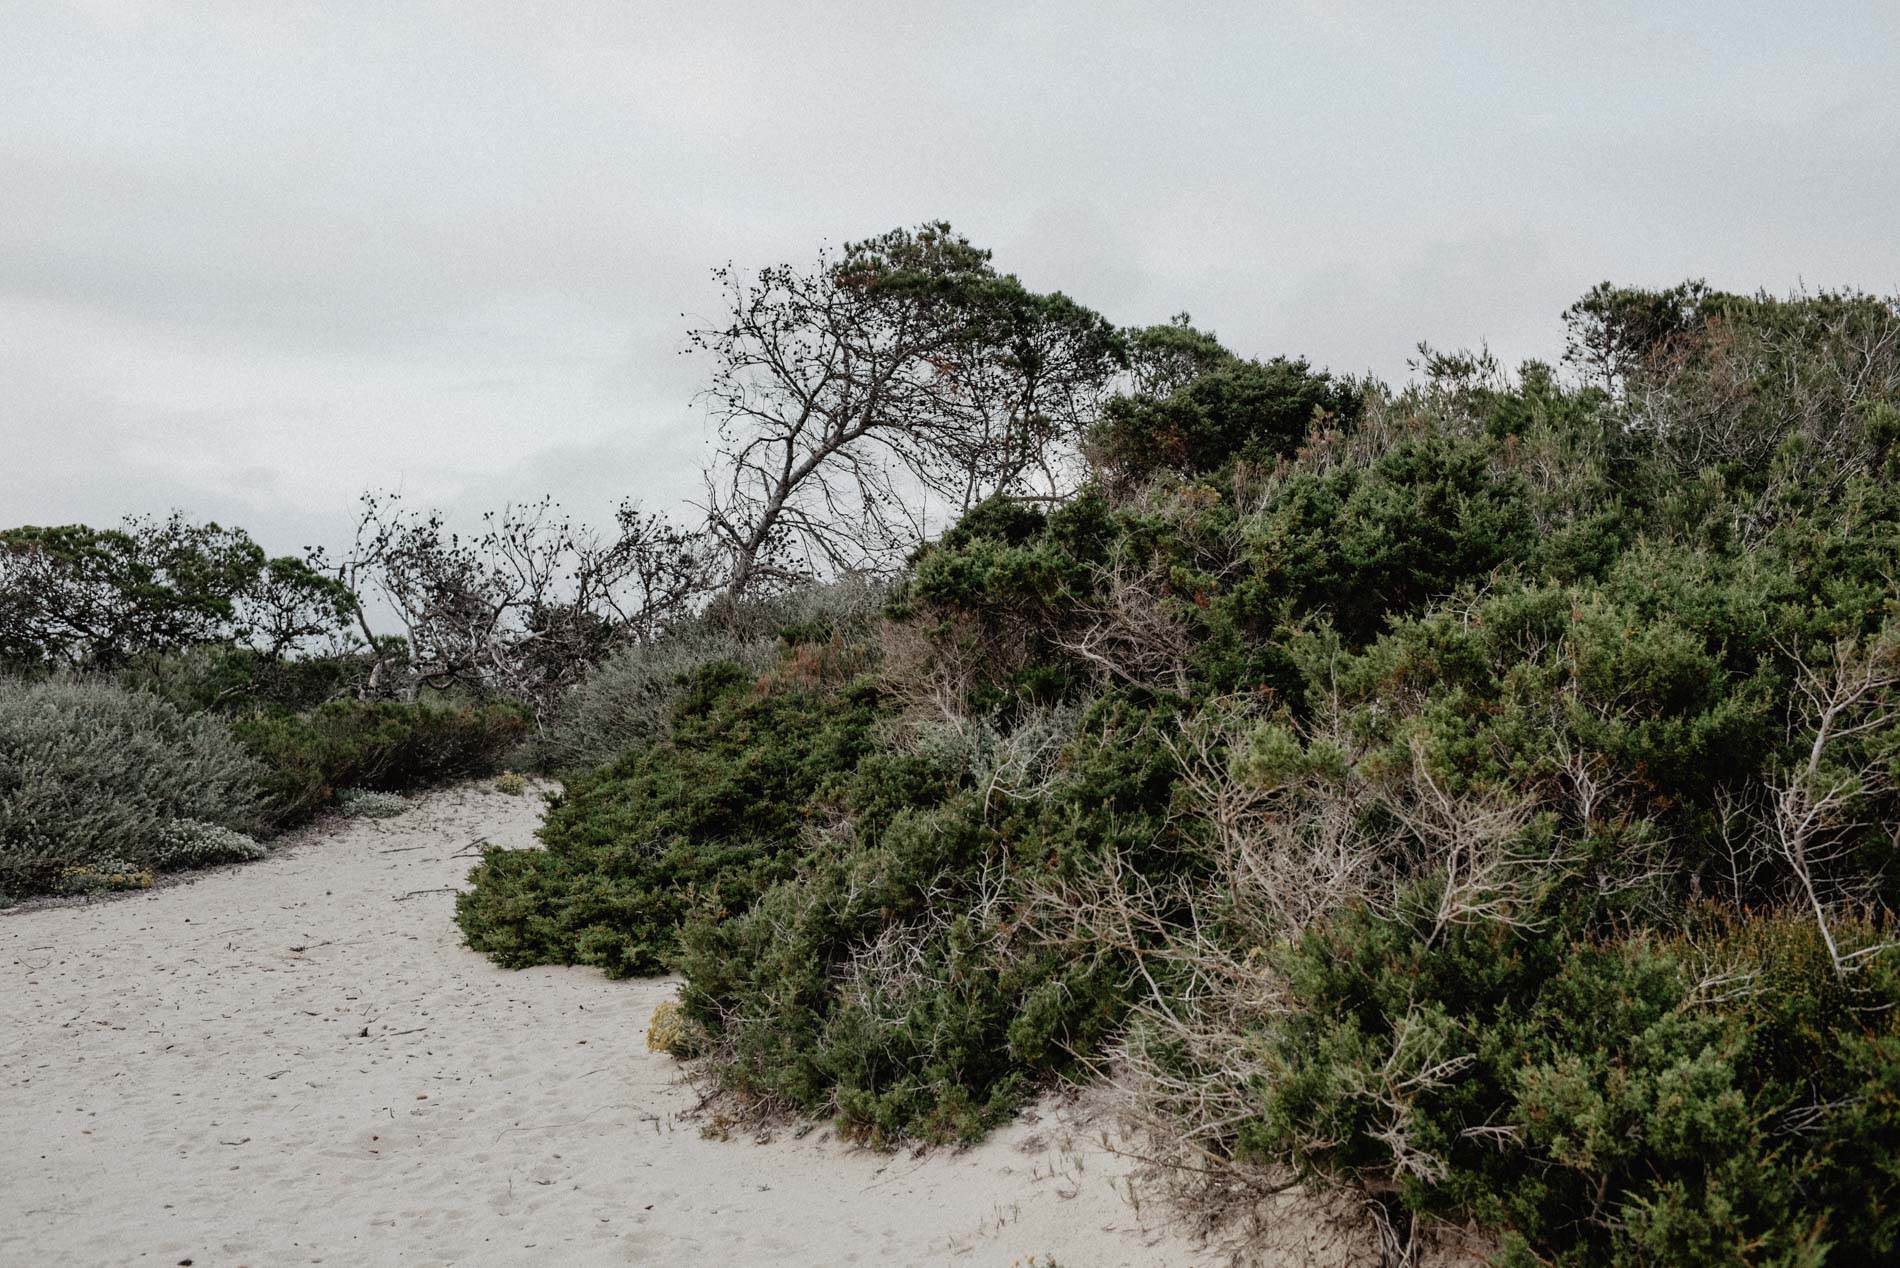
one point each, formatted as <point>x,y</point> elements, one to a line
<point>258,256</point>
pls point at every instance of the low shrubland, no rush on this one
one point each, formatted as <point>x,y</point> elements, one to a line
<point>184,844</point>
<point>711,815</point>
<point>103,784</point>
<point>1481,798</point>
<point>381,746</point>
<point>100,785</point>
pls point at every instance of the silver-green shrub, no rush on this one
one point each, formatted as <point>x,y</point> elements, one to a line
<point>1019,760</point>
<point>91,771</point>
<point>188,843</point>
<point>367,803</point>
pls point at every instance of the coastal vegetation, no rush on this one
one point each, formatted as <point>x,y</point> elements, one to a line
<point>1479,797</point>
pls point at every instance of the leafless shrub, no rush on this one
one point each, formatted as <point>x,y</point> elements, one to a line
<point>1127,631</point>
<point>882,978</point>
<point>1820,806</point>
<point>1744,853</point>
<point>934,669</point>
<point>1289,846</point>
<point>1184,1073</point>
<point>1487,865</point>
<point>522,609</point>
<point>1594,797</point>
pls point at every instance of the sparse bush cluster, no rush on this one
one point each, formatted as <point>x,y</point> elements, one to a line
<point>99,779</point>
<point>169,688</point>
<point>1481,798</point>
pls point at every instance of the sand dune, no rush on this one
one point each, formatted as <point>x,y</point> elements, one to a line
<point>297,1062</point>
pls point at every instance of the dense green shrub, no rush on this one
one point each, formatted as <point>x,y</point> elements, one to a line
<point>379,745</point>
<point>893,982</point>
<point>240,680</point>
<point>629,700</point>
<point>1714,1097</point>
<point>1253,411</point>
<point>92,772</point>
<point>704,819</point>
<point>1482,797</point>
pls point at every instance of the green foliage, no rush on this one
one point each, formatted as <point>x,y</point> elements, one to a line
<point>1632,1100</point>
<point>705,819</point>
<point>1250,411</point>
<point>629,700</point>
<point>235,681</point>
<point>383,746</point>
<point>1615,329</point>
<point>1482,797</point>
<point>91,775</point>
<point>1420,521</point>
<point>99,598</point>
<point>892,981</point>
<point>1168,357</point>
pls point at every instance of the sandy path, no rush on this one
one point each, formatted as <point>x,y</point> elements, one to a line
<point>291,1063</point>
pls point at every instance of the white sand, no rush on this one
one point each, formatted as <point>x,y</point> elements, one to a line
<point>291,1063</point>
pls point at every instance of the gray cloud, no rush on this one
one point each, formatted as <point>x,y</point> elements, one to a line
<point>254,259</point>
